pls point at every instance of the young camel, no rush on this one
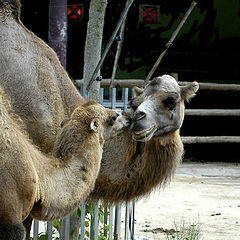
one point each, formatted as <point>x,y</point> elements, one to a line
<point>50,186</point>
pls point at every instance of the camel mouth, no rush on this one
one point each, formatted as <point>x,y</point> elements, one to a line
<point>145,135</point>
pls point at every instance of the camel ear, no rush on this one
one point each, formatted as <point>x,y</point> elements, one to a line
<point>94,124</point>
<point>137,90</point>
<point>189,91</point>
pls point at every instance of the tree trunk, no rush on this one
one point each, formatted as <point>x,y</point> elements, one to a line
<point>93,44</point>
<point>57,33</point>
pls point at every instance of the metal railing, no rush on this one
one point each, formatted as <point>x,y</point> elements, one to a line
<point>111,228</point>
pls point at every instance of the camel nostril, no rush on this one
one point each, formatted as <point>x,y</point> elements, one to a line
<point>111,119</point>
<point>139,115</point>
<point>115,116</point>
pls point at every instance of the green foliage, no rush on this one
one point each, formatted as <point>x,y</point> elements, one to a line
<point>57,224</point>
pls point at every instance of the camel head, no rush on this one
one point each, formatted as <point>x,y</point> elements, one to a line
<point>158,109</point>
<point>95,118</point>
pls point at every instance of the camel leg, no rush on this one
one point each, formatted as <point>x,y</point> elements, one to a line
<point>14,231</point>
<point>28,225</point>
<point>11,227</point>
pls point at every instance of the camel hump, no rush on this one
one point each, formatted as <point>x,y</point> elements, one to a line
<point>11,5</point>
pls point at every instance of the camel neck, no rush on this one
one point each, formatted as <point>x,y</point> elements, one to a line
<point>61,183</point>
<point>65,183</point>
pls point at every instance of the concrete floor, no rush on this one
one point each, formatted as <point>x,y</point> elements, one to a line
<point>208,194</point>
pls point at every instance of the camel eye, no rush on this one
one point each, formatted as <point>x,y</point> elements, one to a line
<point>170,102</point>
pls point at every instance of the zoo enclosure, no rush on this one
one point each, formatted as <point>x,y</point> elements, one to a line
<point>112,215</point>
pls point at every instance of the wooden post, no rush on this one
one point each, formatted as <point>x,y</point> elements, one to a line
<point>93,46</point>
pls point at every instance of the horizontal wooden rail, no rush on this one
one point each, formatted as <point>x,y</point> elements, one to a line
<point>212,112</point>
<point>216,86</point>
<point>140,83</point>
<point>211,139</point>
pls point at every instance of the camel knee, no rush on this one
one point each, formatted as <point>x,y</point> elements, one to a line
<point>12,231</point>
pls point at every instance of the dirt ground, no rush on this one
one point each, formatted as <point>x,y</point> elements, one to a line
<point>207,193</point>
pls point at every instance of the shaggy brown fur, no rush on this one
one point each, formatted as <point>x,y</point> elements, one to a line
<point>144,169</point>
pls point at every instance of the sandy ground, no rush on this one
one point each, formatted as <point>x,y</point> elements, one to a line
<point>206,193</point>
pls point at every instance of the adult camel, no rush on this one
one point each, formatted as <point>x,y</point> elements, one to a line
<point>42,94</point>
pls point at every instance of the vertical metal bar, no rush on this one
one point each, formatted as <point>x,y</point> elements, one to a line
<point>126,222</point>
<point>133,217</point>
<point>83,210</point>
<point>67,228</point>
<point>62,229</point>
<point>110,222</point>
<point>105,221</point>
<point>101,92</point>
<point>35,229</point>
<point>117,226</point>
<point>96,221</point>
<point>84,94</point>
<point>49,230</point>
<point>76,236</point>
<point>113,98</point>
<point>92,227</point>
<point>125,99</point>
<point>133,94</point>
<point>81,90</point>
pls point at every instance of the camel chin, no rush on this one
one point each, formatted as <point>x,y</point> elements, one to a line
<point>144,135</point>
